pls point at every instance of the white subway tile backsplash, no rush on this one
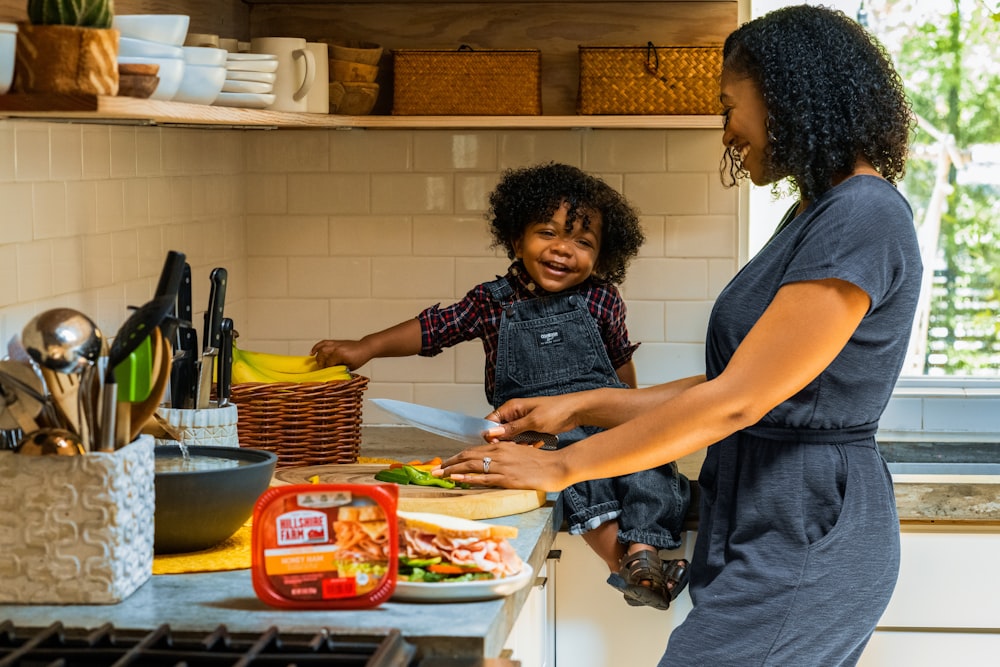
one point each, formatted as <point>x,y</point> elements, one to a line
<point>49,207</point>
<point>451,236</point>
<point>336,234</point>
<point>371,150</point>
<point>411,193</point>
<point>339,277</point>
<point>525,147</point>
<point>668,193</point>
<point>437,151</point>
<point>667,278</point>
<point>328,194</point>
<point>32,146</point>
<point>66,152</point>
<point>624,151</point>
<point>413,277</point>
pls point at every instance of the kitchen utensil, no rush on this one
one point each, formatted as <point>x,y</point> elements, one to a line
<point>134,375</point>
<point>21,378</point>
<point>213,334</point>
<point>67,342</point>
<point>475,503</point>
<point>185,345</point>
<point>15,413</point>
<point>51,442</point>
<point>142,411</point>
<point>224,382</point>
<point>455,425</point>
<point>171,277</point>
<point>136,328</point>
<point>62,339</point>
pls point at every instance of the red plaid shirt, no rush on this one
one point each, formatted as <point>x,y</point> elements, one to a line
<point>478,316</point>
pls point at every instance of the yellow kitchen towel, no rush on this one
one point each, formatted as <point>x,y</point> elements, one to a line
<point>232,554</point>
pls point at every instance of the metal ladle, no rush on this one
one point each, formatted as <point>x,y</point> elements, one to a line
<point>66,341</point>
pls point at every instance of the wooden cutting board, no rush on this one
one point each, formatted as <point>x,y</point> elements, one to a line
<point>475,503</point>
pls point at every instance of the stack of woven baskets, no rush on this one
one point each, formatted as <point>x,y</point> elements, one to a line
<point>353,68</point>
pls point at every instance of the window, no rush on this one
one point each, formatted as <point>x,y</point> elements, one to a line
<point>945,52</point>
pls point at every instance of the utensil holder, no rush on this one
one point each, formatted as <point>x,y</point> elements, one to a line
<point>77,529</point>
<point>211,427</point>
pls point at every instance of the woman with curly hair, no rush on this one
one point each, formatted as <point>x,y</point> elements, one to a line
<point>556,323</point>
<point>797,551</point>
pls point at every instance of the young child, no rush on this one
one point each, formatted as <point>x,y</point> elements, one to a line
<point>555,323</point>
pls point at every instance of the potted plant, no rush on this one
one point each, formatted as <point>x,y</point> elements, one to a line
<point>67,46</point>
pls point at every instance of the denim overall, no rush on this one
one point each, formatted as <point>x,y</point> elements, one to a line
<point>549,346</point>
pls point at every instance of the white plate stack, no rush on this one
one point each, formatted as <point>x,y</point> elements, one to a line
<point>249,81</point>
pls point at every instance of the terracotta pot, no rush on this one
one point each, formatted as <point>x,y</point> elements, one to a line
<point>66,59</point>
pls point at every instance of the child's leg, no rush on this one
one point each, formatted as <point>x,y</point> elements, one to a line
<point>604,541</point>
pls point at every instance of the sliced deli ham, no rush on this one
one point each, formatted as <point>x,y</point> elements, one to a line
<point>460,542</point>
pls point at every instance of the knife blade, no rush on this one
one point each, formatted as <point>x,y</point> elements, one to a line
<point>455,425</point>
<point>170,280</point>
<point>224,382</point>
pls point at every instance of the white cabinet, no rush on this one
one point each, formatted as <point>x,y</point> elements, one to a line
<point>594,626</point>
<point>532,639</point>
<point>946,606</point>
<point>945,609</point>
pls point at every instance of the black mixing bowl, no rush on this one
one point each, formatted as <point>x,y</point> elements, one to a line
<point>203,501</point>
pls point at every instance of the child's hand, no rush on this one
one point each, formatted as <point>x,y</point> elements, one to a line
<point>350,353</point>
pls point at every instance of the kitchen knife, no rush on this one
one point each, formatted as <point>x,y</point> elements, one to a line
<point>171,277</point>
<point>455,425</point>
<point>213,335</point>
<point>185,344</point>
<point>224,382</point>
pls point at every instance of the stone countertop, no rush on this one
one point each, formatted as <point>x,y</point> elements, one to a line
<point>201,602</point>
<point>919,501</point>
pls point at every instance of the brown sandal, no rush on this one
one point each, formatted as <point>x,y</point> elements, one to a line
<point>645,580</point>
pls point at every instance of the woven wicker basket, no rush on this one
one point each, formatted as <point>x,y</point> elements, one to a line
<point>487,82</point>
<point>304,423</point>
<point>650,79</point>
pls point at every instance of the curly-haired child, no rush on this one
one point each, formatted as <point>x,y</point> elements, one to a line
<point>555,323</point>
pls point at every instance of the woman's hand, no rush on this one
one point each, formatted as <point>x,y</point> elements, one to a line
<point>547,414</point>
<point>510,466</point>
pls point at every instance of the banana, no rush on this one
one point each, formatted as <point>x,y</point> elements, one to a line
<point>244,370</point>
<point>281,362</point>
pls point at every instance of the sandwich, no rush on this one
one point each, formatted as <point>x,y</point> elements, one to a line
<point>442,548</point>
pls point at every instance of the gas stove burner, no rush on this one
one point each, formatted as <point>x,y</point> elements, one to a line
<point>58,646</point>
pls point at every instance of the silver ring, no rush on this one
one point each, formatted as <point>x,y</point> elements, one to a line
<point>486,464</point>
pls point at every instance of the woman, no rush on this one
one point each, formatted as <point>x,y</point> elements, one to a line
<point>798,540</point>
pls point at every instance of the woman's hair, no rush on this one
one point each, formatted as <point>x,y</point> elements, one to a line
<point>831,92</point>
<point>532,194</point>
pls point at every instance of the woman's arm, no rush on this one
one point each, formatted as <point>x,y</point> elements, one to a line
<point>800,334</point>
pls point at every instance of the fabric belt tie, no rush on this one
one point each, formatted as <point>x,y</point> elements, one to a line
<point>815,436</point>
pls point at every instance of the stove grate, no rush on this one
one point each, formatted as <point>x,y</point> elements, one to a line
<point>106,646</point>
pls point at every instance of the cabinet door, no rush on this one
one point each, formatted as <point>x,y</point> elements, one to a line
<point>595,627</point>
<point>532,639</point>
<point>931,649</point>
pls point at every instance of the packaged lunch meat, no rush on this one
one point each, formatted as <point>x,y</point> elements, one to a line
<point>325,546</point>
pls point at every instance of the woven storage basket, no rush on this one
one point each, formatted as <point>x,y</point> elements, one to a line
<point>487,82</point>
<point>304,423</point>
<point>650,79</point>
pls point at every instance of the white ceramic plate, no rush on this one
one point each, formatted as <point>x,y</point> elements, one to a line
<point>259,77</point>
<point>244,100</point>
<point>230,86</point>
<point>251,65</point>
<point>252,56</point>
<point>467,591</point>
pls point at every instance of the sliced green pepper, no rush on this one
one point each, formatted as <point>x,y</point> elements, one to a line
<point>422,478</point>
<point>394,475</point>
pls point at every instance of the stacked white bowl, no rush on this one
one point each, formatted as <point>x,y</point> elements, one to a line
<point>154,39</point>
<point>204,74</point>
<point>249,81</point>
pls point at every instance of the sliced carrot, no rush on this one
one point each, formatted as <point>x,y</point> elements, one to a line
<point>448,568</point>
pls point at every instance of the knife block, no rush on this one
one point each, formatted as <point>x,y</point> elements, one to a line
<point>210,427</point>
<point>77,529</point>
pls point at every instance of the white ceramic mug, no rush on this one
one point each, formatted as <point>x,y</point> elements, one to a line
<point>318,98</point>
<point>296,71</point>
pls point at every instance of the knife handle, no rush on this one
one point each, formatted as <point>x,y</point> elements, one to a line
<point>224,370</point>
<point>216,307</point>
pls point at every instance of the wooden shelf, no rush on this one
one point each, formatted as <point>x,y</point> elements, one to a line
<point>128,110</point>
